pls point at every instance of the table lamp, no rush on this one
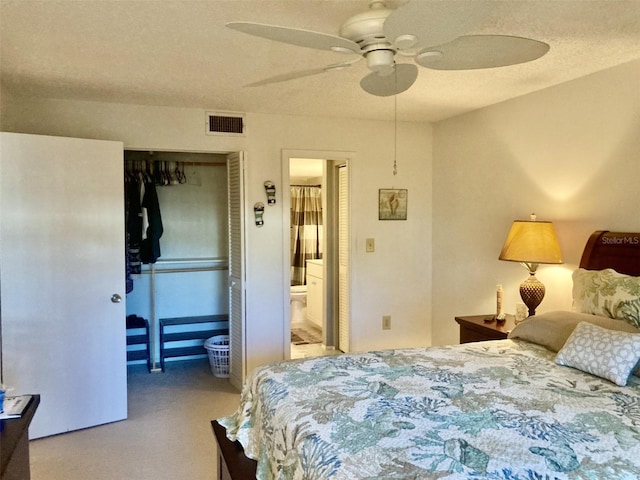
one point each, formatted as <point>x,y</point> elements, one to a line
<point>531,242</point>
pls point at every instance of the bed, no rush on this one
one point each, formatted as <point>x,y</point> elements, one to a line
<point>559,399</point>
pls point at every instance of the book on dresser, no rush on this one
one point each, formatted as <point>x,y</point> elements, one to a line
<point>13,407</point>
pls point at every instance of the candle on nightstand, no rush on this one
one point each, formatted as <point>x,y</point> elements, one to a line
<point>499,295</point>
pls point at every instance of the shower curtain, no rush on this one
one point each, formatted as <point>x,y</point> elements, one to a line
<point>306,229</point>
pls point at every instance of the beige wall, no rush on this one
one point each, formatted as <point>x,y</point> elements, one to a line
<point>570,153</point>
<point>395,280</point>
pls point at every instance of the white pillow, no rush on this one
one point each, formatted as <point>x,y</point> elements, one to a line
<point>607,293</point>
<point>605,353</point>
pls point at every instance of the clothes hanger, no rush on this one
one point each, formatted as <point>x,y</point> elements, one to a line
<point>172,173</point>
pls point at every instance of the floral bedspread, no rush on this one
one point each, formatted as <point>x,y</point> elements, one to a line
<point>489,410</point>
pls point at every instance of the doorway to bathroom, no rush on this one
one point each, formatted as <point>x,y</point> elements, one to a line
<point>317,252</point>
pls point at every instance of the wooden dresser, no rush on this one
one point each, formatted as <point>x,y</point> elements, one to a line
<point>14,442</point>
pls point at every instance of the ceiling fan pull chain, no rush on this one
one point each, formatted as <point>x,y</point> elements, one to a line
<point>395,130</point>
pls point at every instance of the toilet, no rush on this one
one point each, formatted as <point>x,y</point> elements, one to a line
<point>298,297</point>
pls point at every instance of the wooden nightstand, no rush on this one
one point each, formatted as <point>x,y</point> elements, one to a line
<point>473,328</point>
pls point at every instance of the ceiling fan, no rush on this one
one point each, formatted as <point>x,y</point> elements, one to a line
<point>432,32</point>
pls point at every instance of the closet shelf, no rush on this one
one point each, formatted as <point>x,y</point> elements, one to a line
<point>183,330</point>
<point>137,339</point>
<point>137,324</point>
<point>194,335</point>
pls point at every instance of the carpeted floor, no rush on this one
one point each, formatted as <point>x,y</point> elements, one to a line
<point>167,435</point>
<point>301,336</point>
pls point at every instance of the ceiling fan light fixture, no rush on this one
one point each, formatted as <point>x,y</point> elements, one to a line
<point>404,75</point>
<point>380,61</point>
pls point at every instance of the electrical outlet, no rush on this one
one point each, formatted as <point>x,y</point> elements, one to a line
<point>386,322</point>
<point>371,245</point>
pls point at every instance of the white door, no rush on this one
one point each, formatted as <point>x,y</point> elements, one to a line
<point>237,324</point>
<point>61,274</point>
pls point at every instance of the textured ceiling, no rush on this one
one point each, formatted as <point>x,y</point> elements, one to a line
<point>179,53</point>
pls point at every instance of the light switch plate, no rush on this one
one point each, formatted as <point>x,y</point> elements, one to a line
<point>371,245</point>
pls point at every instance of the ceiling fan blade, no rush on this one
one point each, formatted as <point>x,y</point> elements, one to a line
<point>297,36</point>
<point>287,76</point>
<point>303,73</point>
<point>436,22</point>
<point>403,76</point>
<point>472,52</point>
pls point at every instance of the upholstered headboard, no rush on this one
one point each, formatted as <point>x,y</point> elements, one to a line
<point>617,250</point>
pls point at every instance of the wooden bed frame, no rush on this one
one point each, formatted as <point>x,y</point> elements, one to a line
<point>617,250</point>
<point>604,249</point>
<point>233,464</point>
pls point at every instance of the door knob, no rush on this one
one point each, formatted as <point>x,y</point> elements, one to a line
<point>115,298</point>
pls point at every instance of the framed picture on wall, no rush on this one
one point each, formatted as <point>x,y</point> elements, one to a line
<point>392,204</point>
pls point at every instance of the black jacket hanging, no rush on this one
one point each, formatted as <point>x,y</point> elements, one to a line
<point>150,245</point>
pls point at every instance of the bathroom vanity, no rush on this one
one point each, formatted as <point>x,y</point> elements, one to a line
<point>315,293</point>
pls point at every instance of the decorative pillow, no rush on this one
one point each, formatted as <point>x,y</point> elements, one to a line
<point>601,352</point>
<point>552,329</point>
<point>607,293</point>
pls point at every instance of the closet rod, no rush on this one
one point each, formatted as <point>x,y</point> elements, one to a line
<point>304,185</point>
<point>203,164</point>
<point>206,164</point>
<point>224,260</point>
<point>185,270</point>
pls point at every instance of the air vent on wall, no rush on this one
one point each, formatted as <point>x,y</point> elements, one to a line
<point>225,123</point>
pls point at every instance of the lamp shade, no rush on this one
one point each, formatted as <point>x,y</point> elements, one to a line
<point>530,241</point>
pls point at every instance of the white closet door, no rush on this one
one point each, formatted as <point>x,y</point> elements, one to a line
<point>343,258</point>
<point>62,265</point>
<point>237,321</point>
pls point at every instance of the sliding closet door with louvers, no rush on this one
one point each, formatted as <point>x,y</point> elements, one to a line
<point>237,321</point>
<point>343,259</point>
